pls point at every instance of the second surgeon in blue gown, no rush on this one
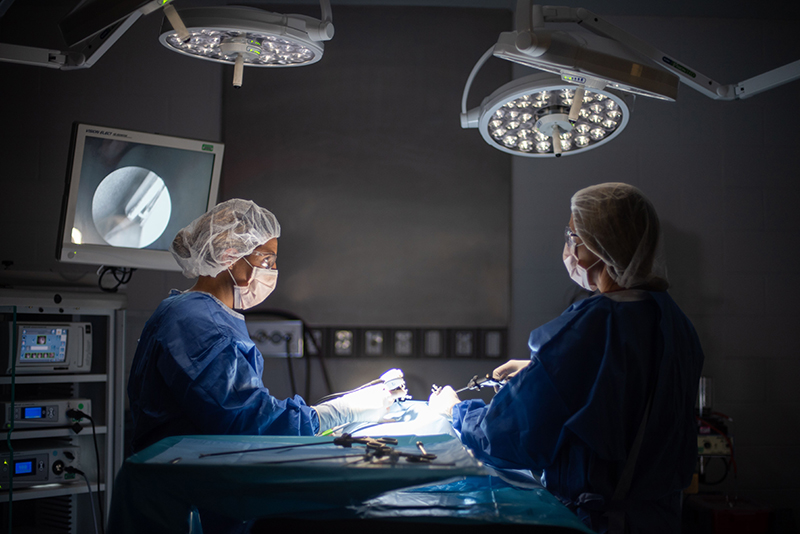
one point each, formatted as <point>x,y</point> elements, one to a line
<point>574,409</point>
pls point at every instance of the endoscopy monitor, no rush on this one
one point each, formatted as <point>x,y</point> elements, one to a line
<point>128,193</point>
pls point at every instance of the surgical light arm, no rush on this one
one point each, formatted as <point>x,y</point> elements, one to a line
<point>532,17</point>
<point>89,50</point>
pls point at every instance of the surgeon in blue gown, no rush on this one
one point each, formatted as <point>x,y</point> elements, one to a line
<point>623,363</point>
<point>196,370</point>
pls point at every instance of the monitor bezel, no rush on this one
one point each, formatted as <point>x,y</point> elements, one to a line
<point>108,255</point>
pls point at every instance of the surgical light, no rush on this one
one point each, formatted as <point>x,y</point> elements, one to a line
<point>525,116</point>
<point>250,37</point>
<point>585,94</point>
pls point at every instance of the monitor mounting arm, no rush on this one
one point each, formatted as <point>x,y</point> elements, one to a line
<point>85,52</point>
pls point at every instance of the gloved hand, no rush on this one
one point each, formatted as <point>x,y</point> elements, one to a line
<point>442,401</point>
<point>367,404</point>
<point>509,369</point>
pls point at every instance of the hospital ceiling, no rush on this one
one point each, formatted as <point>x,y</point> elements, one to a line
<point>35,22</point>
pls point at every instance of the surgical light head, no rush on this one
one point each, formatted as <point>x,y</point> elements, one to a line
<point>543,116</point>
<point>218,238</point>
<point>249,37</point>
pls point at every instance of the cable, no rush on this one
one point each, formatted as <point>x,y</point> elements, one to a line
<point>321,355</point>
<point>307,389</point>
<point>122,275</point>
<point>306,335</point>
<point>11,427</point>
<point>77,414</point>
<point>70,469</point>
<point>288,339</point>
<point>727,439</point>
<point>724,476</point>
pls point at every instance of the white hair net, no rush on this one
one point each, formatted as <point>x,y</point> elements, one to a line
<point>218,238</point>
<point>620,225</point>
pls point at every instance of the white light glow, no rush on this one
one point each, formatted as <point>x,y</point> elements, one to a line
<point>525,145</point>
<point>513,123</point>
<point>77,236</point>
<point>261,49</point>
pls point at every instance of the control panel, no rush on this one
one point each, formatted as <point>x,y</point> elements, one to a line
<point>45,348</point>
<point>38,464</point>
<point>43,413</point>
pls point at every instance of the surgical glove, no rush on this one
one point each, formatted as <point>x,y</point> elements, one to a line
<point>443,400</point>
<point>509,369</point>
<point>367,404</point>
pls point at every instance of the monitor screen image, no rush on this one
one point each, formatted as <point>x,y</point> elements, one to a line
<point>128,194</point>
<point>43,345</point>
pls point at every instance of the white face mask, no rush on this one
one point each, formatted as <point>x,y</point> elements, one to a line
<point>580,275</point>
<point>261,283</point>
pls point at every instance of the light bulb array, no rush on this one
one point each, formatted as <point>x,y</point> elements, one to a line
<point>513,125</point>
<point>257,49</point>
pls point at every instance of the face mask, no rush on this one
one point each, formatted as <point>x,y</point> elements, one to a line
<point>261,283</point>
<point>578,274</point>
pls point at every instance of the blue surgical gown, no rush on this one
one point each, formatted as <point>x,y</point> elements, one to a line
<point>196,371</point>
<point>574,412</point>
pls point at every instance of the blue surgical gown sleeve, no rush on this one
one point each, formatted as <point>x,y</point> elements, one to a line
<point>522,426</point>
<point>196,371</point>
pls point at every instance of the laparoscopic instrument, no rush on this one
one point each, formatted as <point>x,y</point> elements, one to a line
<point>392,380</point>
<point>476,383</point>
<point>375,448</point>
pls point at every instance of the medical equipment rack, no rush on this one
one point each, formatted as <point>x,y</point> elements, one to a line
<point>66,507</point>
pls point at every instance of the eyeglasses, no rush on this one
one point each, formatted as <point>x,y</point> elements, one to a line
<point>570,237</point>
<point>265,260</point>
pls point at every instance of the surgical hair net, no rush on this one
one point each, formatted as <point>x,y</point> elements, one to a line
<point>218,238</point>
<point>620,225</point>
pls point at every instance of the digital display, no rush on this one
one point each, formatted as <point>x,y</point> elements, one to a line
<point>23,468</point>
<point>43,345</point>
<point>32,413</point>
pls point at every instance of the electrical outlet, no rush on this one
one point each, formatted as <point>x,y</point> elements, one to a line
<point>317,334</point>
<point>275,338</point>
<point>373,342</point>
<point>343,343</point>
<point>433,344</point>
<point>403,343</point>
<point>493,344</point>
<point>464,345</point>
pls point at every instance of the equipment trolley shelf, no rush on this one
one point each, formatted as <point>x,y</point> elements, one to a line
<point>60,350</point>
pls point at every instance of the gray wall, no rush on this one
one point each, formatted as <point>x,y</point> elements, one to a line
<point>391,215</point>
<point>724,179</point>
<point>722,175</point>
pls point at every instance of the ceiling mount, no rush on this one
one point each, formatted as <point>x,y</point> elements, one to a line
<point>88,31</point>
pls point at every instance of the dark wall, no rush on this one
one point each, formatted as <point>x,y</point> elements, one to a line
<point>391,213</point>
